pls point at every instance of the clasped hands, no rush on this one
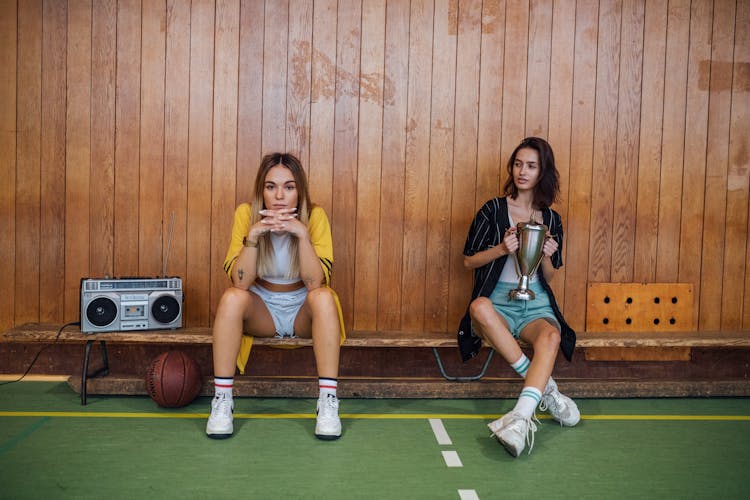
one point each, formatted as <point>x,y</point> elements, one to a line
<point>278,221</point>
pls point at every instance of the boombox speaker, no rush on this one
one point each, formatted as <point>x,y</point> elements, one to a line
<point>112,305</point>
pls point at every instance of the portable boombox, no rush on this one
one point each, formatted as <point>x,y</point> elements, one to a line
<point>111,305</point>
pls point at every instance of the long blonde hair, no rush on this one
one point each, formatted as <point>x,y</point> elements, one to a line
<point>304,206</point>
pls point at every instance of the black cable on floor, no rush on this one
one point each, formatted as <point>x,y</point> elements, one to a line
<point>72,323</point>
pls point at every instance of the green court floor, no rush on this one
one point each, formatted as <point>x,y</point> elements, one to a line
<point>127,447</point>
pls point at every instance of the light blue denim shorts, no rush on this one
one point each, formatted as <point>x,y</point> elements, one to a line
<point>283,306</point>
<point>519,313</point>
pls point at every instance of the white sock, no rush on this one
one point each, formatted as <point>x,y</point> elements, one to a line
<point>521,366</point>
<point>327,386</point>
<point>527,401</point>
<point>223,387</point>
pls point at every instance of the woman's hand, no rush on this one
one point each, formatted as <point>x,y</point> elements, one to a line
<point>510,240</point>
<point>550,246</point>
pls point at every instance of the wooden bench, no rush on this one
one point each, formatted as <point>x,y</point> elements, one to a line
<point>595,344</point>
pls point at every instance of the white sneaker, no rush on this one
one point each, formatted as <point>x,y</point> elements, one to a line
<point>561,407</point>
<point>328,425</point>
<point>514,431</point>
<point>219,424</point>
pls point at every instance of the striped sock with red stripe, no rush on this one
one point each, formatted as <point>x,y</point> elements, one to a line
<point>223,386</point>
<point>327,386</point>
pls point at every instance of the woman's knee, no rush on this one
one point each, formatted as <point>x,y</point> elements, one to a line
<point>233,302</point>
<point>480,309</point>
<point>321,300</point>
<point>548,339</point>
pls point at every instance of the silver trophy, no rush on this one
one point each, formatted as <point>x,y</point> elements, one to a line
<point>531,236</point>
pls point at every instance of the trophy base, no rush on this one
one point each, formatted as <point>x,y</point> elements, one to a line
<point>521,294</point>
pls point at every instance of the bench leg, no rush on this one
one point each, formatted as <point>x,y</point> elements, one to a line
<point>104,370</point>
<point>463,379</point>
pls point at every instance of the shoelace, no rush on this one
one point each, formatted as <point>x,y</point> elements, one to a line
<point>530,429</point>
<point>224,407</point>
<point>329,408</point>
<point>557,403</point>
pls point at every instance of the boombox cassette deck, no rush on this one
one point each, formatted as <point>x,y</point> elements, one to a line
<point>125,304</point>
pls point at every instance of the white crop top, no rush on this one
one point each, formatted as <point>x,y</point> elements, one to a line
<point>281,259</point>
<point>509,273</point>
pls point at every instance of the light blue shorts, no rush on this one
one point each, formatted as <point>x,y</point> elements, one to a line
<point>519,313</point>
<point>283,306</point>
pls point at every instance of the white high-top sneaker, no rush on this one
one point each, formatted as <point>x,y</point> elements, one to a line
<point>220,424</point>
<point>514,431</point>
<point>328,424</point>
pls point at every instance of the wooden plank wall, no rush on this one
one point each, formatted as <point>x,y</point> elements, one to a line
<point>116,115</point>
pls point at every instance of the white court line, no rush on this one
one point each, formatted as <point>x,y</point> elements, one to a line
<point>439,430</point>
<point>451,459</point>
<point>468,495</point>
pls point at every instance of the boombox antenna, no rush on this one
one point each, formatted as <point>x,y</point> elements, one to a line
<point>169,245</point>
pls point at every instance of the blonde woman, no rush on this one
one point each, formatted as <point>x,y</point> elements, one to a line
<point>279,261</point>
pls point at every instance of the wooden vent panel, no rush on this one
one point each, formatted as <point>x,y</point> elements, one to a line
<point>640,307</point>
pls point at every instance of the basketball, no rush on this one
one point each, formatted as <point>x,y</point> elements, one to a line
<point>173,379</point>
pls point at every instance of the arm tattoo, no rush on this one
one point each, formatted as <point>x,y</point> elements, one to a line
<point>240,274</point>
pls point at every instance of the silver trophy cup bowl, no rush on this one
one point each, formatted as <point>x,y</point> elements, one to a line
<point>531,236</point>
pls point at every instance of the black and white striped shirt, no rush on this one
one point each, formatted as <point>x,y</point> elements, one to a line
<point>486,231</point>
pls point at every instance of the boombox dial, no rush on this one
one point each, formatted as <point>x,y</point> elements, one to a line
<point>110,305</point>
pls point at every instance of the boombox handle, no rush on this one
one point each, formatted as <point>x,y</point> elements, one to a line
<point>85,375</point>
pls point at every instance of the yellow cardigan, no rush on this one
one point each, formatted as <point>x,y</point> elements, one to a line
<point>320,234</point>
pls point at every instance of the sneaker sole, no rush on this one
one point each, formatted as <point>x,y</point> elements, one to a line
<point>219,436</point>
<point>327,437</point>
<point>510,449</point>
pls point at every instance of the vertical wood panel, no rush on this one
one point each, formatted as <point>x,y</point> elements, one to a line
<point>103,86</point>
<point>579,206</point>
<point>250,95</point>
<point>694,169</point>
<point>741,131</point>
<point>717,153</point>
<point>441,160</point>
<point>176,119</point>
<point>395,94</point>
<point>605,141</point>
<point>369,163</point>
<point>224,171</point>
<point>560,118</point>
<point>628,117</point>
<point>670,193</point>
<point>8,96</point>
<point>649,156</point>
<point>489,162</point>
<point>344,211</point>
<point>418,127</point>
<point>468,53</point>
<point>127,137</point>
<point>276,37</point>
<point>539,62</point>
<point>197,299</point>
<point>299,80</point>
<point>28,144</point>
<point>514,88</point>
<point>322,106</point>
<point>151,148</point>
<point>78,154</point>
<point>734,291</point>
<point>52,206</point>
